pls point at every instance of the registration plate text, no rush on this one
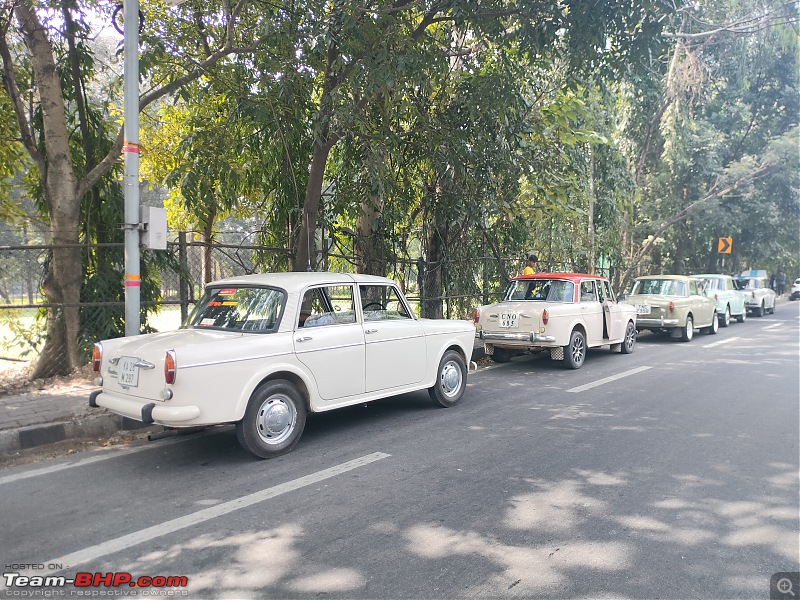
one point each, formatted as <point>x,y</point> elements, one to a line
<point>128,371</point>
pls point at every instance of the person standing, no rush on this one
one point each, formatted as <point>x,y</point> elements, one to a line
<point>780,282</point>
<point>530,268</point>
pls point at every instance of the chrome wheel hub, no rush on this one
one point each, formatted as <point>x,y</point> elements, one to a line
<point>276,419</point>
<point>450,379</point>
<point>578,350</point>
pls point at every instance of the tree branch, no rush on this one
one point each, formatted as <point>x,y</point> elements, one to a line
<point>10,81</point>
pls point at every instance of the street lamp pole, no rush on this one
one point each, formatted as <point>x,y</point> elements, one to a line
<point>131,152</point>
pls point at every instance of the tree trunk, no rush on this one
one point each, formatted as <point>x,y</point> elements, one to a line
<point>62,284</point>
<point>434,269</point>
<point>207,239</point>
<point>370,246</point>
<point>304,255</point>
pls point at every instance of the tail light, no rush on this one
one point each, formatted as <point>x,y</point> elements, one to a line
<point>545,317</point>
<point>475,316</point>
<point>97,356</point>
<point>170,367</point>
<point>753,294</point>
<point>671,306</point>
<point>715,297</point>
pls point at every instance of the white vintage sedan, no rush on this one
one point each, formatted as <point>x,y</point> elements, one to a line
<point>759,298</point>
<point>263,350</point>
<point>564,313</point>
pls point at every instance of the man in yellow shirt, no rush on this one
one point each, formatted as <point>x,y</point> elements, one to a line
<point>530,269</point>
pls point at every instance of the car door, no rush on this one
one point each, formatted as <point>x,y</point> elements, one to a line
<point>704,311</point>
<point>396,350</point>
<point>329,340</point>
<point>615,324</point>
<point>591,312</point>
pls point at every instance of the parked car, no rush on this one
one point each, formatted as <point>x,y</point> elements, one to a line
<point>795,293</point>
<point>261,351</point>
<point>673,303</point>
<point>729,298</point>
<point>564,313</point>
<point>759,298</point>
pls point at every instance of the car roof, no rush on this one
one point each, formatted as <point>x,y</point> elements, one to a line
<point>675,277</point>
<point>574,277</point>
<point>297,280</point>
<point>712,275</point>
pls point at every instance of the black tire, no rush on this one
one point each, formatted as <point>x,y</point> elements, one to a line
<point>501,355</point>
<point>772,310</point>
<point>687,331</point>
<point>273,421</point>
<point>575,351</point>
<point>451,380</point>
<point>742,317</point>
<point>726,319</point>
<point>714,327</point>
<point>759,312</point>
<point>629,342</point>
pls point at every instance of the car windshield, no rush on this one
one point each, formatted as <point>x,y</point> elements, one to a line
<point>659,287</point>
<point>751,284</point>
<point>550,290</point>
<point>256,309</point>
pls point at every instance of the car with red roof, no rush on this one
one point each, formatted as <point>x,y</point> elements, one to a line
<point>563,313</point>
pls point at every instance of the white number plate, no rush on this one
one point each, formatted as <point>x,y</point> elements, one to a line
<point>509,319</point>
<point>128,372</point>
<point>642,309</point>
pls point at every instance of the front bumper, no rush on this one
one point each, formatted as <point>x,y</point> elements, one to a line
<point>644,323</point>
<point>147,412</point>
<point>531,337</point>
<point>795,295</point>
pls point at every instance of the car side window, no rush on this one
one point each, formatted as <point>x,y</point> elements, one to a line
<point>692,287</point>
<point>382,303</point>
<point>588,292</point>
<point>329,305</point>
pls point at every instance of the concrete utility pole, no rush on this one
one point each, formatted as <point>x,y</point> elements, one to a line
<point>131,181</point>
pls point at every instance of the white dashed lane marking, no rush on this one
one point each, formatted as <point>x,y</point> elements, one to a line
<point>588,386</point>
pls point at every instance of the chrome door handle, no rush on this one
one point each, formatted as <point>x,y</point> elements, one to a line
<point>303,339</point>
<point>143,364</point>
<point>370,331</point>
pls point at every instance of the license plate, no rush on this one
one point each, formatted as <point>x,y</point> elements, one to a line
<point>642,309</point>
<point>128,372</point>
<point>508,320</point>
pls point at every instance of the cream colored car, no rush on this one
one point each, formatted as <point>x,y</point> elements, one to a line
<point>563,313</point>
<point>263,350</point>
<point>673,303</point>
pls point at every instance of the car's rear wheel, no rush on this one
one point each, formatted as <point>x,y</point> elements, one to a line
<point>629,343</point>
<point>501,355</point>
<point>273,421</point>
<point>687,331</point>
<point>726,320</point>
<point>575,351</point>
<point>759,312</point>
<point>451,380</point>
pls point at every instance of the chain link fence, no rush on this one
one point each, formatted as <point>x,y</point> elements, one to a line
<point>175,278</point>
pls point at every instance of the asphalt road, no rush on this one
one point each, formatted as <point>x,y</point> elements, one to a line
<point>678,479</point>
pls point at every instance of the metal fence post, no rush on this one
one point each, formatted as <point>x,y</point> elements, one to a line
<point>183,285</point>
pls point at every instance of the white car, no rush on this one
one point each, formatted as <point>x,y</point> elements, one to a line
<point>795,293</point>
<point>263,350</point>
<point>759,298</point>
<point>564,313</point>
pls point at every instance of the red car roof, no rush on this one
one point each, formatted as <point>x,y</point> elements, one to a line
<point>573,277</point>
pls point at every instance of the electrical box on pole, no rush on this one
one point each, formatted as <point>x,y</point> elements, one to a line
<point>153,232</point>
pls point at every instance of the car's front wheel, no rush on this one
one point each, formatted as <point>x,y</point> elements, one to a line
<point>687,331</point>
<point>714,327</point>
<point>726,320</point>
<point>742,317</point>
<point>451,380</point>
<point>575,351</point>
<point>629,343</point>
<point>759,312</point>
<point>273,421</point>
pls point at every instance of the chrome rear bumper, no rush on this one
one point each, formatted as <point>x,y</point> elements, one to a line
<point>533,338</point>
